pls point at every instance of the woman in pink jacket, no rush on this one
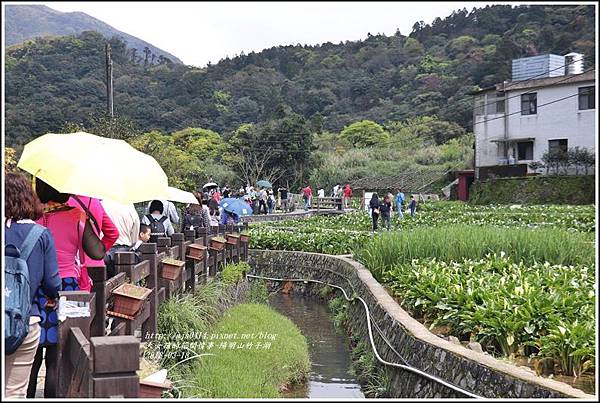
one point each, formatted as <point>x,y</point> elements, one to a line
<point>66,226</point>
<point>109,234</point>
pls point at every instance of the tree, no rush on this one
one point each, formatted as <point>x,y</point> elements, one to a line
<point>554,159</point>
<point>580,157</point>
<point>365,133</point>
<point>100,124</point>
<point>182,169</point>
<point>587,159</point>
<point>10,164</point>
<point>204,144</point>
<point>413,48</point>
<point>280,148</point>
<point>147,52</point>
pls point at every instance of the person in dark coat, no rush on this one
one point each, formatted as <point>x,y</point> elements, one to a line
<point>385,209</point>
<point>374,206</point>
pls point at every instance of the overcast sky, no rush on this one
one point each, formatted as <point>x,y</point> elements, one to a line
<point>209,31</point>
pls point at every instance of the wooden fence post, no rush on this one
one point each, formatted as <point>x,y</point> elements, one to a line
<point>189,235</point>
<point>65,370</point>
<point>149,253</point>
<point>202,233</point>
<point>115,362</point>
<point>163,244</point>
<point>178,239</point>
<point>98,276</point>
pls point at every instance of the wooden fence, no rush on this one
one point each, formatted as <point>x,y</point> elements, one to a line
<point>94,361</point>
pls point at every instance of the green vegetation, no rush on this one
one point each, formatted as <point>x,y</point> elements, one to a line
<point>390,103</point>
<point>184,314</point>
<point>187,328</point>
<point>518,279</point>
<point>437,224</point>
<point>535,190</point>
<point>234,272</point>
<point>455,242</point>
<point>379,78</point>
<point>251,372</point>
<point>505,306</point>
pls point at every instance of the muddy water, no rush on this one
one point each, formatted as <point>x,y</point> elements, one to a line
<point>329,352</point>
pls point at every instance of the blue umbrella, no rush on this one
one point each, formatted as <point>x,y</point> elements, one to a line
<point>236,206</point>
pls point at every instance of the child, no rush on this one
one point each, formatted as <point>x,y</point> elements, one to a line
<point>143,237</point>
<point>412,206</point>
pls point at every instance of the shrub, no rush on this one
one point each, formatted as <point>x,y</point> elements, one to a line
<point>232,273</point>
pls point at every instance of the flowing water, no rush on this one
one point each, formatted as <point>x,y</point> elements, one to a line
<point>329,351</point>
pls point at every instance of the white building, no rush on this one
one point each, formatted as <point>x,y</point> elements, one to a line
<point>516,122</point>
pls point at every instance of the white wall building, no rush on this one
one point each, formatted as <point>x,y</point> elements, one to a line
<point>517,122</point>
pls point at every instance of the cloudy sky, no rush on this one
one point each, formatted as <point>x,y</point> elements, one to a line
<point>209,31</point>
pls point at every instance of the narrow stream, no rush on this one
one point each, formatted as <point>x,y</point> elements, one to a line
<point>329,352</point>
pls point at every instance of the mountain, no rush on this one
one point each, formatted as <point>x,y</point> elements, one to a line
<point>24,22</point>
<point>51,82</point>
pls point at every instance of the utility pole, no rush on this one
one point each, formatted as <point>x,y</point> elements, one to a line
<point>109,81</point>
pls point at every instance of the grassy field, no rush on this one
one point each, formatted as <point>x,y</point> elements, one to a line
<point>251,372</point>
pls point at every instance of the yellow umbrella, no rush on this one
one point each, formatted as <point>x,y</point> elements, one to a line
<point>88,165</point>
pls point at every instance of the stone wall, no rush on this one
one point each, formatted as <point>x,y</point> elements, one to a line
<point>475,372</point>
<point>535,190</point>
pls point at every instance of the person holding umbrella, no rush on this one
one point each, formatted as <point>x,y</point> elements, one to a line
<point>229,217</point>
<point>66,224</point>
<point>233,209</point>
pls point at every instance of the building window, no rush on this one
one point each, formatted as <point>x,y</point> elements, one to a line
<point>561,144</point>
<point>529,104</point>
<point>500,106</point>
<point>587,98</point>
<point>525,150</point>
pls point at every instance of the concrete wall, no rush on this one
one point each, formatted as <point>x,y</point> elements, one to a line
<point>560,120</point>
<point>476,372</point>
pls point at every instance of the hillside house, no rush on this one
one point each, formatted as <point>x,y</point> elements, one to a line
<point>516,122</point>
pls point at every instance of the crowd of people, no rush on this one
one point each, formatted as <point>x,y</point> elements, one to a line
<point>383,208</point>
<point>51,238</point>
<point>54,237</point>
<point>343,194</point>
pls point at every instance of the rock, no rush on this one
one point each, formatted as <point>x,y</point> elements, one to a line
<point>473,345</point>
<point>454,340</point>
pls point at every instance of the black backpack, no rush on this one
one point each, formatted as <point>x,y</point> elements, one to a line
<point>157,228</point>
<point>194,219</point>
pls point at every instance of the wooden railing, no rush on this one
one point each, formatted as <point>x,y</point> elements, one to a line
<point>94,361</point>
<point>328,203</point>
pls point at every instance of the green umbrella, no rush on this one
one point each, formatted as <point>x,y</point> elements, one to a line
<point>264,184</point>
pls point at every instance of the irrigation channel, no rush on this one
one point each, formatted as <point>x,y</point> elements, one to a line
<point>329,349</point>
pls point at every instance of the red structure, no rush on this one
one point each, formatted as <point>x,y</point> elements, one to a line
<point>465,179</point>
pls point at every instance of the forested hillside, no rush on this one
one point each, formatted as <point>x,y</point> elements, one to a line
<point>322,114</point>
<point>382,78</point>
<point>28,21</point>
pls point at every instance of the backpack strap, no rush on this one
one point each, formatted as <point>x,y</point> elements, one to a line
<point>30,241</point>
<point>150,218</point>
<point>88,212</point>
<point>162,219</point>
